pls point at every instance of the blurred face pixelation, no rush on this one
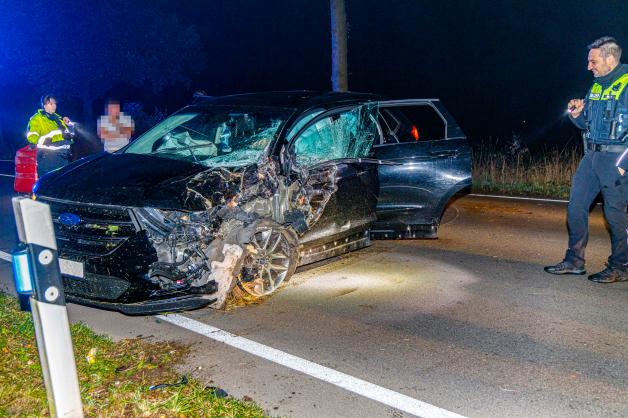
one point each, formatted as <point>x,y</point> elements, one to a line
<point>599,65</point>
<point>50,106</point>
<point>113,109</point>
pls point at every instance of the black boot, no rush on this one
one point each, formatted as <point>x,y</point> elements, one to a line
<point>609,275</point>
<point>564,267</point>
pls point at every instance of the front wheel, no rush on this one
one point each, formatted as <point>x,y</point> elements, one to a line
<point>271,258</point>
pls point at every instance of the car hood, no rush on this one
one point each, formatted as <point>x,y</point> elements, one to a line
<point>131,180</point>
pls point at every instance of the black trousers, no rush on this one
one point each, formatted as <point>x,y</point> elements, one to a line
<point>596,174</point>
<point>49,160</point>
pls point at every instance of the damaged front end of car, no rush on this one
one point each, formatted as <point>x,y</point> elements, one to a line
<point>246,235</point>
<point>212,203</point>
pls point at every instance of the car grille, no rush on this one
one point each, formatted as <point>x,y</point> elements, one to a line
<point>100,230</point>
<point>96,285</point>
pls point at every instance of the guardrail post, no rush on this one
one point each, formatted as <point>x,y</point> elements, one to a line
<point>47,302</point>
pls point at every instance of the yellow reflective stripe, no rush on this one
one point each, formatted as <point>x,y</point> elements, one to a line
<point>49,135</point>
<point>596,92</point>
<point>52,147</point>
<point>614,90</point>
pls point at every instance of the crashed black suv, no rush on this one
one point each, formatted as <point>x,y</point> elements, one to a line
<point>237,191</point>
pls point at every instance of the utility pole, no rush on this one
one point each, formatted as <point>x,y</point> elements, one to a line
<point>339,74</point>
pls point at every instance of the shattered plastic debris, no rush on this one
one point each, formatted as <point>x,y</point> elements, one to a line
<point>219,393</point>
<point>200,248</point>
<point>204,250</point>
<point>222,271</point>
<point>182,382</point>
<point>91,355</point>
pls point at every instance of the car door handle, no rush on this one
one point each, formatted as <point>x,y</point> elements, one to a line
<point>444,153</point>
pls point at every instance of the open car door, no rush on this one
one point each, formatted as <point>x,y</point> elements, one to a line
<point>330,155</point>
<point>429,160</point>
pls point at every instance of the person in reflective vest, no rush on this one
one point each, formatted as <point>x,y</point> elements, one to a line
<point>50,134</point>
<point>603,114</point>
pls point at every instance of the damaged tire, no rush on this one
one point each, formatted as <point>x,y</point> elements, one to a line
<point>270,259</point>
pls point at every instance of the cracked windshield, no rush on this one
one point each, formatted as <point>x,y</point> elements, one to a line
<point>213,137</point>
<point>346,135</point>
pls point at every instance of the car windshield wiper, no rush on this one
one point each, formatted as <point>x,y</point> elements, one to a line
<point>183,148</point>
<point>194,130</point>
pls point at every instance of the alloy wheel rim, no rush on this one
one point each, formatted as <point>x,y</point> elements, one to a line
<point>266,263</point>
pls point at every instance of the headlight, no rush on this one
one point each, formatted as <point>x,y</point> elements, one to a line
<point>162,224</point>
<point>154,222</point>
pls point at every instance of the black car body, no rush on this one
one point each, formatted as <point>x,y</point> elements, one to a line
<point>237,191</point>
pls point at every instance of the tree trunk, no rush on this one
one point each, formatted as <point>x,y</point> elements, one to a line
<point>339,76</point>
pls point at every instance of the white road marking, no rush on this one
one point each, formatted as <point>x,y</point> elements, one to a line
<point>536,199</point>
<point>353,384</point>
<point>6,175</point>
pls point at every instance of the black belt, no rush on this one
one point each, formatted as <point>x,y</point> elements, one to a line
<point>606,148</point>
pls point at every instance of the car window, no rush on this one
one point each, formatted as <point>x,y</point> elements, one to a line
<point>303,121</point>
<point>213,136</point>
<point>411,124</point>
<point>345,135</point>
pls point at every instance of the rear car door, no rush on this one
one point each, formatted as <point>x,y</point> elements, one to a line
<point>327,153</point>
<point>428,161</point>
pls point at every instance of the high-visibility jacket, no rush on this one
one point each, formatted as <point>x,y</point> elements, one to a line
<point>606,105</point>
<point>607,101</point>
<point>46,131</point>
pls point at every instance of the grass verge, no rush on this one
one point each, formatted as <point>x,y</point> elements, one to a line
<point>114,377</point>
<point>545,175</point>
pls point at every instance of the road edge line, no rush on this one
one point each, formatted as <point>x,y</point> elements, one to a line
<point>353,384</point>
<point>534,199</point>
<point>6,256</point>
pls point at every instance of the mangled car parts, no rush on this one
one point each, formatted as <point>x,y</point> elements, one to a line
<point>240,190</point>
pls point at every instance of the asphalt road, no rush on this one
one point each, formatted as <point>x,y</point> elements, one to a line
<point>469,323</point>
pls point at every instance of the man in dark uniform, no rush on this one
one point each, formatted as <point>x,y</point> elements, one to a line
<point>604,115</point>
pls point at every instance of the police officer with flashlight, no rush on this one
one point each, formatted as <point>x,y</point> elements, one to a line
<point>51,134</point>
<point>603,114</point>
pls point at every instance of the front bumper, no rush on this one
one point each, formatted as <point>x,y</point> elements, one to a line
<point>116,254</point>
<point>148,307</point>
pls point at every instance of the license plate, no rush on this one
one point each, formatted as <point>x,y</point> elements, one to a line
<point>71,268</point>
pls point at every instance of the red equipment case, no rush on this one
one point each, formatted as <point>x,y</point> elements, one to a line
<point>25,169</point>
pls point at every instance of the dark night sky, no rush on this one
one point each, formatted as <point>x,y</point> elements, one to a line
<point>493,63</point>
